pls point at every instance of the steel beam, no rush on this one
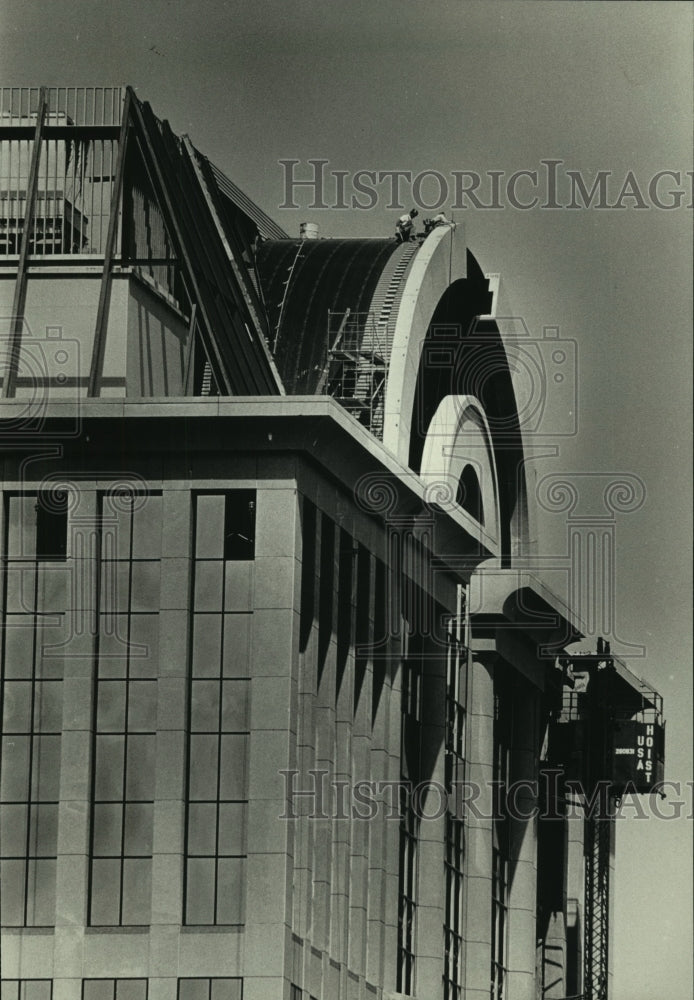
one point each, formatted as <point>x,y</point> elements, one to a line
<point>97,364</point>
<point>19,300</point>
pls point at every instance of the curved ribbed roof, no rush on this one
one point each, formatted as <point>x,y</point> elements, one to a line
<point>304,280</point>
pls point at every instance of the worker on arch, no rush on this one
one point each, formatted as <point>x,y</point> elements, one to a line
<point>404,230</point>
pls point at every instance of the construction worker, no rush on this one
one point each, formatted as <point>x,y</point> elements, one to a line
<point>438,220</point>
<point>404,230</point>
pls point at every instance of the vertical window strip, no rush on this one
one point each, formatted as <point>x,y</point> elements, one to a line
<point>503,738</point>
<point>217,711</point>
<point>410,724</point>
<point>29,800</point>
<point>124,729</point>
<point>456,673</point>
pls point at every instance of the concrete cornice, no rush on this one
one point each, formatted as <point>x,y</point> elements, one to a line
<point>317,427</point>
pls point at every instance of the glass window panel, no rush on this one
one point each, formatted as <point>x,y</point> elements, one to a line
<point>200,890</point>
<point>9,989</point>
<point>237,586</point>
<point>105,893</point>
<point>52,588</point>
<point>45,778</point>
<point>19,646</point>
<point>13,830</point>
<point>208,586</point>
<point>137,890</point>
<point>16,715</point>
<point>115,588</point>
<point>107,820</point>
<point>138,828</point>
<point>202,823</point>
<point>48,706</point>
<point>239,527</point>
<point>21,512</point>
<point>98,989</point>
<point>43,841</point>
<point>203,767</point>
<point>108,781</point>
<point>144,632</point>
<point>232,828</point>
<point>147,525</point>
<point>112,668</point>
<point>145,586</point>
<point>236,645</point>
<point>14,769</point>
<point>36,989</point>
<point>142,706</point>
<point>209,526</point>
<point>21,580</point>
<point>193,989</point>
<point>207,645</point>
<point>235,705</point>
<point>113,645</point>
<point>140,768</point>
<point>110,716</point>
<point>52,633</point>
<point>131,989</point>
<point>204,709</point>
<point>116,517</point>
<point>41,893</point>
<point>51,526</point>
<point>11,893</point>
<point>227,989</point>
<point>233,767</point>
<point>230,875</point>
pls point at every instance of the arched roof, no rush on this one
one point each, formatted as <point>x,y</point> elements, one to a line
<point>441,341</point>
<point>302,281</point>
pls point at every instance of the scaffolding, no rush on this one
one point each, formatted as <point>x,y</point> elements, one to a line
<point>595,703</point>
<point>357,366</point>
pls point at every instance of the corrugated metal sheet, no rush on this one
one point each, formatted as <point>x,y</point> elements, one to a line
<point>304,280</point>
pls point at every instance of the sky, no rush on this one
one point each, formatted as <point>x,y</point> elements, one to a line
<point>480,87</point>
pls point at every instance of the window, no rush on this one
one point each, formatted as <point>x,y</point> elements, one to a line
<point>456,675</point>
<point>239,525</point>
<point>407,906</point>
<point>32,707</point>
<point>114,989</point>
<point>210,989</point>
<point>218,724</point>
<point>51,525</point>
<point>407,877</point>
<point>26,989</point>
<point>125,712</point>
<point>499,922</point>
<point>503,737</point>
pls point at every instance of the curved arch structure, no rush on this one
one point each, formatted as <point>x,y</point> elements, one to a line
<point>425,284</point>
<point>459,438</point>
<point>423,313</point>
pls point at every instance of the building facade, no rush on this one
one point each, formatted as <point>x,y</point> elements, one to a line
<point>286,715</point>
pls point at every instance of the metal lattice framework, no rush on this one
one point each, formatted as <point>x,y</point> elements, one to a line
<point>357,366</point>
<point>597,888</point>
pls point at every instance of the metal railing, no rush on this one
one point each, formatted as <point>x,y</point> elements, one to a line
<point>75,173</point>
<point>88,106</point>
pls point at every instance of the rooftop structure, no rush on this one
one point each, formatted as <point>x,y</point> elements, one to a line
<point>270,640</point>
